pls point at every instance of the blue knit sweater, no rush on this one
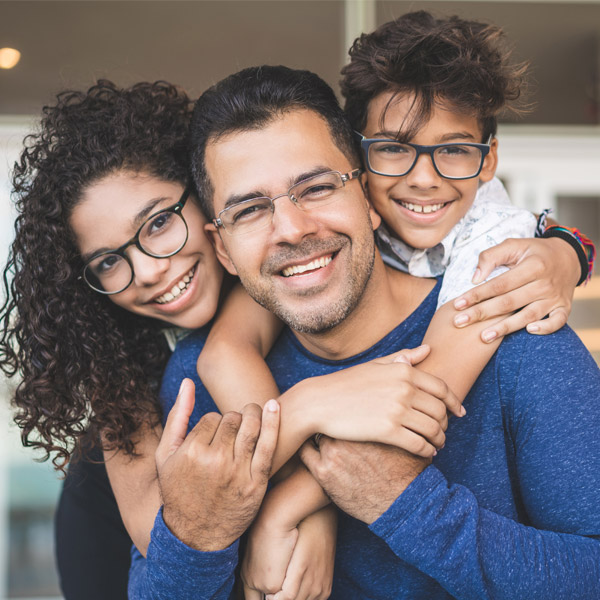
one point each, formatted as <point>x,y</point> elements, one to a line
<point>509,509</point>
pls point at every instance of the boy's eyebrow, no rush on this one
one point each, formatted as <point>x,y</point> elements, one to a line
<point>451,136</point>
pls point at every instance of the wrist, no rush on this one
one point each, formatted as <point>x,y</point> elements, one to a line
<point>582,246</point>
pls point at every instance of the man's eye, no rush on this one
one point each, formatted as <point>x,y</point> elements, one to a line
<point>247,213</point>
<point>316,191</point>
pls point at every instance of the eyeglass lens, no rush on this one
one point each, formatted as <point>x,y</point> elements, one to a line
<point>453,160</point>
<point>164,234</point>
<point>256,213</point>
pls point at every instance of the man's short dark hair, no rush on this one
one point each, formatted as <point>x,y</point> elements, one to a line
<point>453,60</point>
<point>251,99</point>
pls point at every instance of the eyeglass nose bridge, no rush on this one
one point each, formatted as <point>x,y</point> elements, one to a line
<point>419,150</point>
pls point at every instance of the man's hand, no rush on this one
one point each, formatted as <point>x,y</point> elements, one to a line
<point>363,479</point>
<point>213,481</point>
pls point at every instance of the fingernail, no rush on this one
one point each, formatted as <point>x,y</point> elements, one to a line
<point>489,335</point>
<point>182,386</point>
<point>476,276</point>
<point>460,303</point>
<point>463,411</point>
<point>272,406</point>
<point>435,452</point>
<point>461,320</point>
<point>533,328</point>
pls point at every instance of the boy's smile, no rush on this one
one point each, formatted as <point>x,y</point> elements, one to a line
<point>421,207</point>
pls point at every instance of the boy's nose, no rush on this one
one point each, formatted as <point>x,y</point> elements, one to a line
<point>423,175</point>
<point>147,270</point>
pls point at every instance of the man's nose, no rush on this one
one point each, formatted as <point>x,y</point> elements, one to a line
<point>147,270</point>
<point>423,175</point>
<point>291,223</point>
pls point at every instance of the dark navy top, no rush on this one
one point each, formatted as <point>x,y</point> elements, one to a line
<point>510,508</point>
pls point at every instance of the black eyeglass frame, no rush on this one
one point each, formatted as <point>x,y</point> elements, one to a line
<point>366,143</point>
<point>135,241</point>
<point>345,177</point>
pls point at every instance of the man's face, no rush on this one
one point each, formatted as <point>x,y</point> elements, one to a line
<point>422,207</point>
<point>310,268</point>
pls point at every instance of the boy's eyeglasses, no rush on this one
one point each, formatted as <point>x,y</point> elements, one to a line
<point>451,161</point>
<point>255,213</point>
<point>161,235</point>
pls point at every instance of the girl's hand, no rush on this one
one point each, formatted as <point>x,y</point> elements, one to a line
<point>542,278</point>
<point>385,400</point>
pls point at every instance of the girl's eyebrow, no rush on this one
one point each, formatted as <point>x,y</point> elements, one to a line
<point>136,222</point>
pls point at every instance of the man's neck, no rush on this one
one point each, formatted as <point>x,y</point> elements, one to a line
<point>389,298</point>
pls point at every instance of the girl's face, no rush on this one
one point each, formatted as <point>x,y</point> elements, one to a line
<point>111,212</point>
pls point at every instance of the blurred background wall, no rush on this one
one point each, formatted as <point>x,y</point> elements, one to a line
<point>549,158</point>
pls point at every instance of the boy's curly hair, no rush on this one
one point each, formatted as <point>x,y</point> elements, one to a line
<point>461,62</point>
<point>87,367</point>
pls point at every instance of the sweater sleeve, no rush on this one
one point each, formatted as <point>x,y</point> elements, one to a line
<point>551,397</point>
<point>174,571</point>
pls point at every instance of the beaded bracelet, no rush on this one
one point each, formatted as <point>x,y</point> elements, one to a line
<point>583,246</point>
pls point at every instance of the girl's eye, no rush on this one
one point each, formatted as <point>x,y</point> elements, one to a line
<point>159,223</point>
<point>106,264</point>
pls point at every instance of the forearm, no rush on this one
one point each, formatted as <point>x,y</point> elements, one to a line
<point>135,486</point>
<point>173,570</point>
<point>292,500</point>
<point>499,558</point>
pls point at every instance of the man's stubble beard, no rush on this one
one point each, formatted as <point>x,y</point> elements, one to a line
<point>323,318</point>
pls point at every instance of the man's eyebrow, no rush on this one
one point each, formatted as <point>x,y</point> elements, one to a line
<point>237,198</point>
<point>136,222</point>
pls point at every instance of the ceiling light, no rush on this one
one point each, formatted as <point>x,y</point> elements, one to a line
<point>9,57</point>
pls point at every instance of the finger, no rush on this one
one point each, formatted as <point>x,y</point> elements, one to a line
<point>310,456</point>
<point>506,253</point>
<point>267,441</point>
<point>505,304</point>
<point>411,356</point>
<point>250,594</point>
<point>532,313</point>
<point>438,388</point>
<point>502,284</point>
<point>227,431</point>
<point>176,426</point>
<point>426,427</point>
<point>247,436</point>
<point>556,319</point>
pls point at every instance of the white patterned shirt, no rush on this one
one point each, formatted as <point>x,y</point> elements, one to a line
<point>490,220</point>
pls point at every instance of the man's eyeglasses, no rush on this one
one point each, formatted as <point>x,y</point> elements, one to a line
<point>451,161</point>
<point>162,234</point>
<point>256,213</point>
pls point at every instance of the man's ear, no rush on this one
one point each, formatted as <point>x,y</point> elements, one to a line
<point>490,162</point>
<point>373,214</point>
<point>214,234</point>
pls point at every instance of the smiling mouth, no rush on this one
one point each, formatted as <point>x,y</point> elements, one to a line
<point>422,208</point>
<point>313,265</point>
<point>177,289</point>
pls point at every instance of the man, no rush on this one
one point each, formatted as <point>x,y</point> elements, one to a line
<point>408,529</point>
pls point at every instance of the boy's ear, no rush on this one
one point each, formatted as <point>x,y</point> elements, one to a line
<point>490,163</point>
<point>214,235</point>
<point>373,214</point>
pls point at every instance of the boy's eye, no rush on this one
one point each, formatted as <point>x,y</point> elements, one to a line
<point>455,150</point>
<point>392,149</point>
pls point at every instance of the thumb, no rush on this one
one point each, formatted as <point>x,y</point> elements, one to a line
<point>412,356</point>
<point>309,455</point>
<point>176,426</point>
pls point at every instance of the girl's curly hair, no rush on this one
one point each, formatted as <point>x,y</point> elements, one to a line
<point>463,62</point>
<point>87,367</point>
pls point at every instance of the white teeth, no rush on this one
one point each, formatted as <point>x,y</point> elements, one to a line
<point>318,263</point>
<point>422,208</point>
<point>177,289</point>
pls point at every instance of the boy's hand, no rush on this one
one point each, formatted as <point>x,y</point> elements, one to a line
<point>268,553</point>
<point>542,278</point>
<point>305,566</point>
<point>386,400</point>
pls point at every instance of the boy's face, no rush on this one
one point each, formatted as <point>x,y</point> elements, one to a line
<point>401,200</point>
